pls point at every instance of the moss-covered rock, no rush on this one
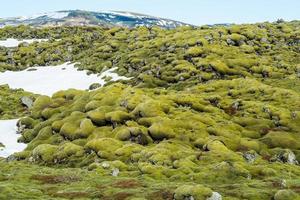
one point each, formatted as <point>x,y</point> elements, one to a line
<point>197,192</point>
<point>45,152</point>
<point>104,147</point>
<point>286,194</point>
<point>97,117</point>
<point>160,131</point>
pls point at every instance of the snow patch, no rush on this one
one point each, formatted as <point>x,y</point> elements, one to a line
<point>57,15</point>
<point>9,137</point>
<point>52,15</point>
<point>114,76</point>
<point>125,14</point>
<point>11,42</point>
<point>50,79</point>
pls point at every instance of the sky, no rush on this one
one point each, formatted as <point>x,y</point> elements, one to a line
<point>197,12</point>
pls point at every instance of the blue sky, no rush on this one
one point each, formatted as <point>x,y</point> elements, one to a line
<point>196,12</point>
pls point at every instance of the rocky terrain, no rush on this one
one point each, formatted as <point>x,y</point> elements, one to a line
<point>207,112</point>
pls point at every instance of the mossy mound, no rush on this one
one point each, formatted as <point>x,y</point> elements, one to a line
<point>11,106</point>
<point>200,135</point>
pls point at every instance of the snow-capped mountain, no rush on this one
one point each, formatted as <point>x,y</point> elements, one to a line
<point>104,18</point>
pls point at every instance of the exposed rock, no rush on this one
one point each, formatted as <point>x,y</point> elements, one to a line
<point>283,183</point>
<point>105,165</point>
<point>94,86</point>
<point>250,156</point>
<point>115,172</point>
<point>286,156</point>
<point>21,127</point>
<point>215,196</point>
<point>230,41</point>
<point>27,101</point>
<point>11,158</point>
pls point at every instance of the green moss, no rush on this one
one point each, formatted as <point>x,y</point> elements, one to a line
<point>56,125</point>
<point>194,51</point>
<point>41,102</point>
<point>11,106</point>
<point>69,149</point>
<point>281,139</point>
<point>197,192</point>
<point>44,133</point>
<point>123,134</point>
<point>28,122</point>
<point>117,116</point>
<point>104,147</point>
<point>285,194</point>
<point>86,128</point>
<point>97,117</point>
<point>160,131</point>
<point>211,105</point>
<point>45,152</point>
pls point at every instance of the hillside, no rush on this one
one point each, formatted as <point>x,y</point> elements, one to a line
<point>87,18</point>
<point>206,113</point>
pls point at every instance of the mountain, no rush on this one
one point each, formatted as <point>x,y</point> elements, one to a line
<point>87,18</point>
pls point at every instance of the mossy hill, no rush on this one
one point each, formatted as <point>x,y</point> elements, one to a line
<point>209,109</point>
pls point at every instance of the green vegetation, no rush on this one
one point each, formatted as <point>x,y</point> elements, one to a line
<point>208,111</point>
<point>11,105</point>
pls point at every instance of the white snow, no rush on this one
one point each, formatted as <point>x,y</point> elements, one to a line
<point>8,137</point>
<point>57,15</point>
<point>125,14</point>
<point>52,15</point>
<point>11,42</point>
<point>50,79</point>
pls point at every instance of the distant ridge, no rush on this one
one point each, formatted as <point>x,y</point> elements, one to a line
<point>88,18</point>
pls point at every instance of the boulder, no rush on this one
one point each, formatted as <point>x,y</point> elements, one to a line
<point>27,101</point>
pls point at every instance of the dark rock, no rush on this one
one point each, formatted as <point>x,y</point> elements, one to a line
<point>286,156</point>
<point>94,86</point>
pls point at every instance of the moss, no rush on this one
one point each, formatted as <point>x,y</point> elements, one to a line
<point>281,139</point>
<point>194,51</point>
<point>28,122</point>
<point>160,131</point>
<point>69,149</point>
<point>151,108</point>
<point>48,112</point>
<point>97,117</point>
<point>210,105</point>
<point>11,106</point>
<point>123,134</point>
<point>41,102</point>
<point>117,116</point>
<point>44,133</point>
<point>285,194</point>
<point>215,145</point>
<point>104,147</point>
<point>27,136</point>
<point>92,105</point>
<point>56,125</point>
<point>68,130</point>
<point>197,192</point>
<point>45,152</point>
<point>86,128</point>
